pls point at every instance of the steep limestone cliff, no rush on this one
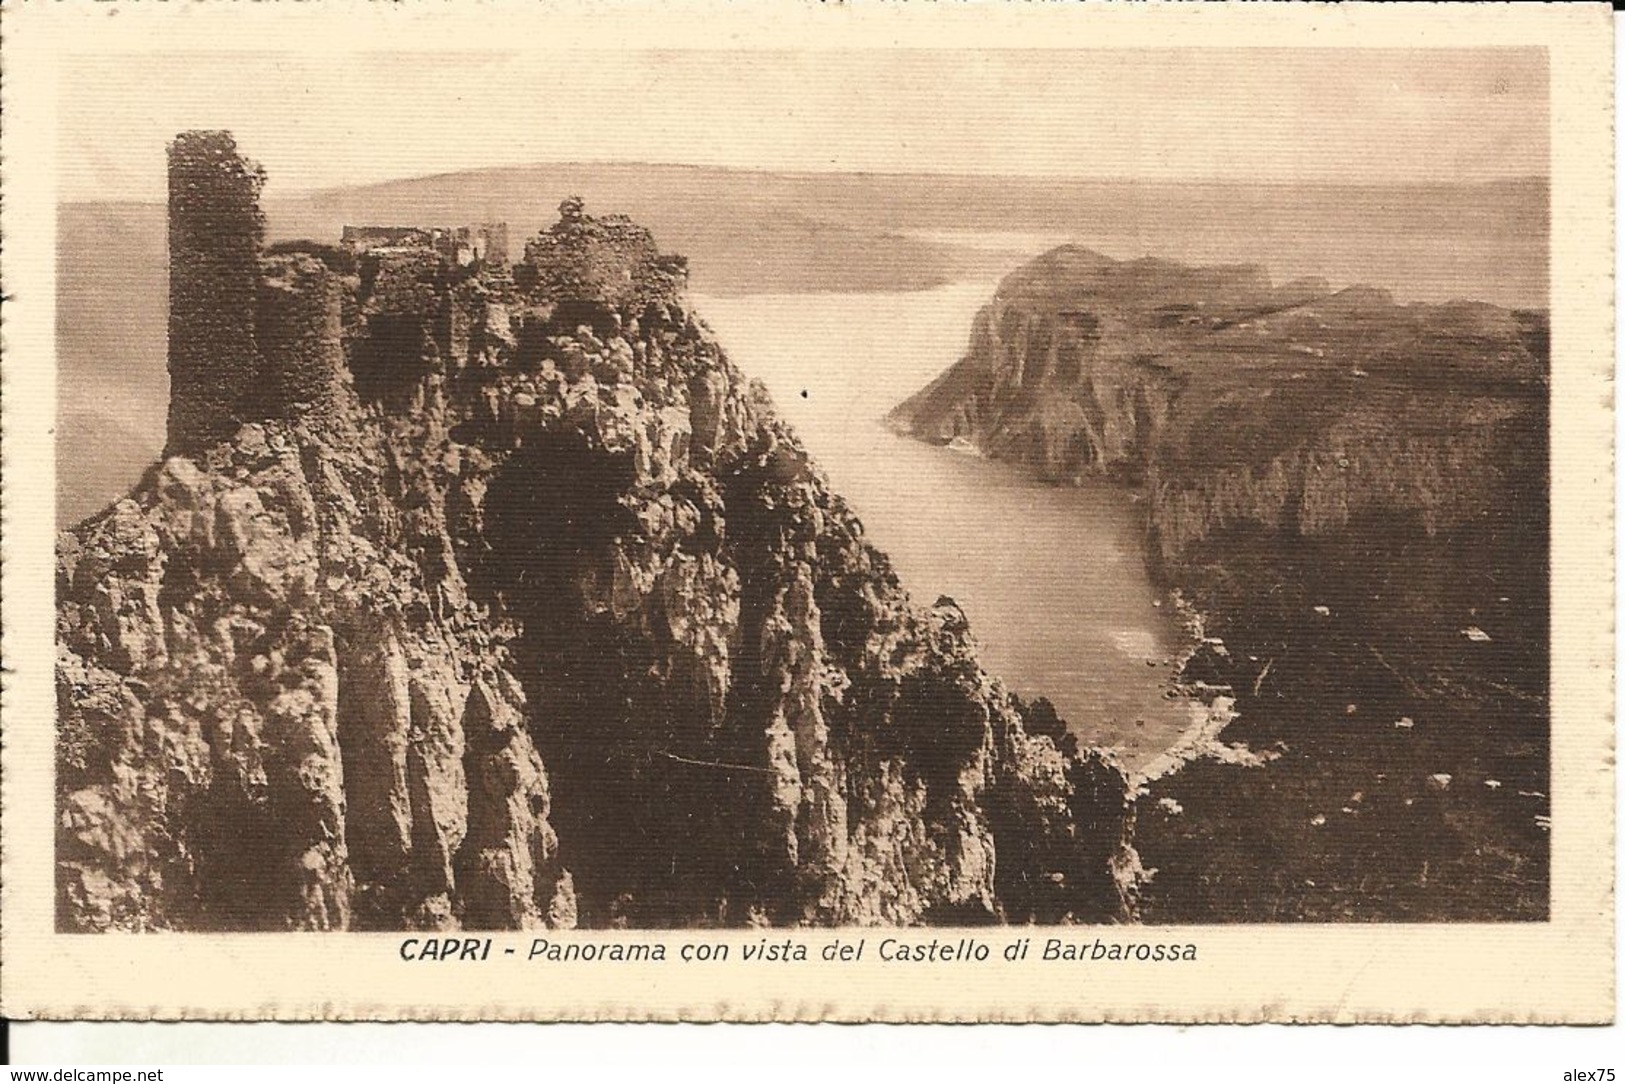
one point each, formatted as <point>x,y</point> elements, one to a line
<point>1235,401</point>
<point>1352,495</point>
<point>511,603</point>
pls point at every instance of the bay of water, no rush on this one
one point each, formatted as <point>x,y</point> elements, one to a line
<point>1052,578</point>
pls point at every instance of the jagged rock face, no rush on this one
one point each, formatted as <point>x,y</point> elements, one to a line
<point>1352,496</point>
<point>554,622</point>
<point>1235,402</point>
<point>293,689</point>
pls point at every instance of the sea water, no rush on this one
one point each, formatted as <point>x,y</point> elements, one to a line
<point>1053,578</point>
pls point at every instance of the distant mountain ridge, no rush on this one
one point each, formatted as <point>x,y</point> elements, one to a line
<point>748,232</point>
<point>1496,229</point>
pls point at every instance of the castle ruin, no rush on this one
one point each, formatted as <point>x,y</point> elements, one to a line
<point>251,336</point>
<point>257,336</point>
<point>215,233</point>
<point>484,242</point>
<point>300,331</point>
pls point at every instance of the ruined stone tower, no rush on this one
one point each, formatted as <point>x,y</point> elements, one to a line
<point>215,231</point>
<point>251,337</point>
<point>299,334</point>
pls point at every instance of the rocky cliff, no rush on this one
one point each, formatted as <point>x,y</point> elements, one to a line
<point>479,596</point>
<point>1237,401</point>
<point>1352,494</point>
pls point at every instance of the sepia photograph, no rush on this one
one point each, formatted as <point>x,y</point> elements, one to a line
<point>555,509</point>
<point>1075,535</point>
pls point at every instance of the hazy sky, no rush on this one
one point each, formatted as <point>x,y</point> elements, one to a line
<point>1356,115</point>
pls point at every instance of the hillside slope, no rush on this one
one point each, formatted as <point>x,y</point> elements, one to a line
<point>501,600</point>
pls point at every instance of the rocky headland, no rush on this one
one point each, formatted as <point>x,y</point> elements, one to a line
<point>1348,496</point>
<point>482,593</point>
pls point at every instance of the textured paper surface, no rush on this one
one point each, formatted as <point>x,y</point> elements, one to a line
<point>1556,971</point>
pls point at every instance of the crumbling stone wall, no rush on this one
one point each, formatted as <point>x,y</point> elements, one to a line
<point>608,261</point>
<point>406,320</point>
<point>215,232</point>
<point>368,238</point>
<point>298,324</point>
<point>480,243</point>
<point>486,243</point>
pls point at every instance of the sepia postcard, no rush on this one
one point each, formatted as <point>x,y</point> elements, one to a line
<point>978,512</point>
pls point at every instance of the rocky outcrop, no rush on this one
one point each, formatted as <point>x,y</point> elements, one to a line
<point>1234,401</point>
<point>536,615</point>
<point>1350,495</point>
